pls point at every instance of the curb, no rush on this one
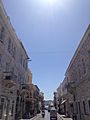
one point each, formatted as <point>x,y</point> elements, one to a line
<point>36,117</point>
<point>61,118</point>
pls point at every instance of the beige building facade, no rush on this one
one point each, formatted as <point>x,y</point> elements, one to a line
<point>13,66</point>
<point>75,89</point>
<point>32,101</point>
<point>29,80</point>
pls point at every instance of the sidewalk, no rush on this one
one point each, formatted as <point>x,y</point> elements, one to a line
<point>36,117</point>
<point>62,117</point>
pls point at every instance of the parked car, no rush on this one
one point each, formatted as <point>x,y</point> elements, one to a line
<point>53,114</point>
<point>46,107</point>
<point>49,108</point>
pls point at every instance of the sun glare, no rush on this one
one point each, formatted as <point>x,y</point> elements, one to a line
<point>49,2</point>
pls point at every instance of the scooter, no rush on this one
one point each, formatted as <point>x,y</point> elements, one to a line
<point>43,114</point>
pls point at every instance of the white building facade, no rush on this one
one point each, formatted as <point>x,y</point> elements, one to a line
<point>13,67</point>
<point>76,91</point>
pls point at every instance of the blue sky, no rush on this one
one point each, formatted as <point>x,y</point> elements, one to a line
<point>50,32</point>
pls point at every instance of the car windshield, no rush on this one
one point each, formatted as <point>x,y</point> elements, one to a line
<point>53,111</point>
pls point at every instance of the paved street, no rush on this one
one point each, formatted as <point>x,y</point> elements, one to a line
<point>47,117</point>
<point>39,117</point>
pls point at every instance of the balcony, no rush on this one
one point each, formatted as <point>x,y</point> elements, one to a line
<point>9,79</point>
<point>71,87</point>
<point>29,99</point>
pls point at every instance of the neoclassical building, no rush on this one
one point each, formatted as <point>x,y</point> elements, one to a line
<point>74,91</point>
<point>32,100</point>
<point>13,67</point>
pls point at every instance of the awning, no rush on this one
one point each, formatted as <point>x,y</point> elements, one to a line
<point>63,101</point>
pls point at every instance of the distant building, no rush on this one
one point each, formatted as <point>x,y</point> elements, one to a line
<point>48,102</point>
<point>32,100</point>
<point>55,102</point>
<point>74,91</point>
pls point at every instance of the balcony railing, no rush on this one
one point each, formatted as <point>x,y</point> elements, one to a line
<point>9,79</point>
<point>29,99</point>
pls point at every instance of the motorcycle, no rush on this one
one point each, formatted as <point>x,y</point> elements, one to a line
<point>43,114</point>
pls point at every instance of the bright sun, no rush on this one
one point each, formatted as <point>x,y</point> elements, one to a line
<point>49,2</point>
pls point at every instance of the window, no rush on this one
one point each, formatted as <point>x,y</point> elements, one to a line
<point>14,52</point>
<point>84,66</point>
<point>89,52</point>
<point>79,72</point>
<point>12,69</point>
<point>7,67</point>
<point>11,48</point>
<point>84,107</point>
<point>12,110</point>
<point>77,107</point>
<point>26,65</point>
<point>21,59</point>
<point>72,107</point>
<point>1,107</point>
<point>0,59</point>
<point>7,108</point>
<point>9,45</point>
<point>2,33</point>
<point>8,78</point>
<point>89,104</point>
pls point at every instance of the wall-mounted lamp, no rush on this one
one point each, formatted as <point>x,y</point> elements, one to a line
<point>28,59</point>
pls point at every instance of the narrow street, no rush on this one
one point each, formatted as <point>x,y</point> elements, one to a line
<point>47,117</point>
<point>44,59</point>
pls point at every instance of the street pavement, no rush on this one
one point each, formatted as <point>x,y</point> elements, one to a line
<point>47,117</point>
<point>39,117</point>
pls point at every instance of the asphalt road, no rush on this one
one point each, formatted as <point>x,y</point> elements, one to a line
<point>47,117</point>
